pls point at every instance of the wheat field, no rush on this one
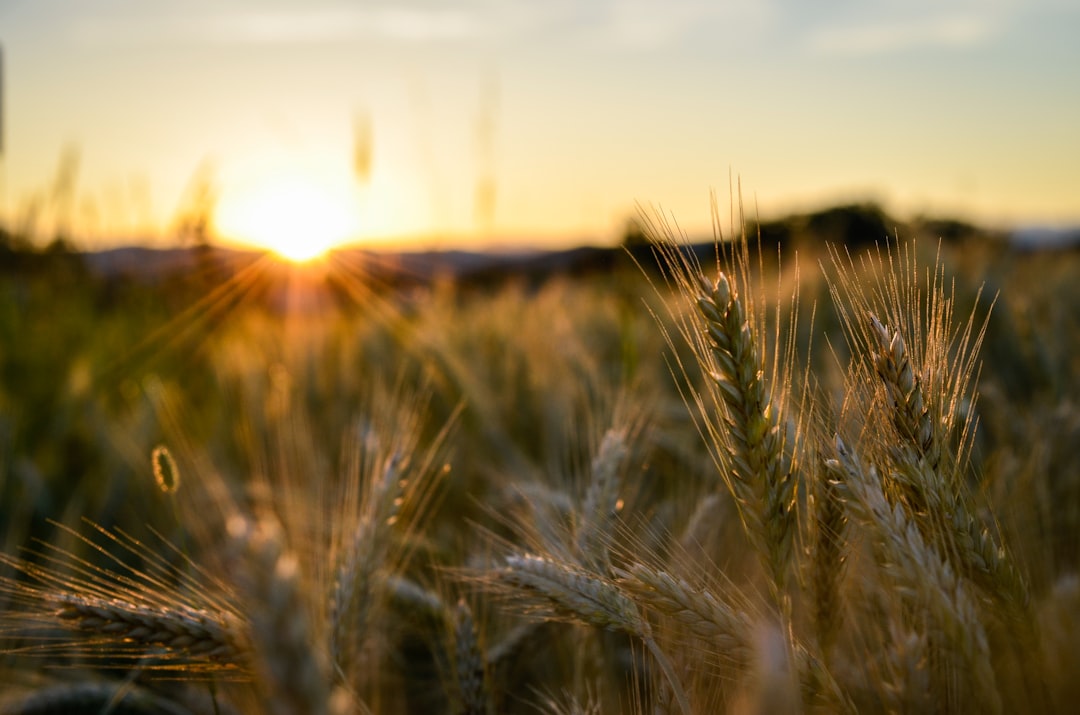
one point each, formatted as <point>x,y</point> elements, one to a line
<point>750,482</point>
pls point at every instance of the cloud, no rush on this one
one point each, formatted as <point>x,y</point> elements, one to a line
<point>955,31</point>
<point>656,24</point>
<point>310,26</point>
<point>645,25</point>
<point>300,25</point>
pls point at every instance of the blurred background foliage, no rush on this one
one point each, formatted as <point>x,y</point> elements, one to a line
<point>528,366</point>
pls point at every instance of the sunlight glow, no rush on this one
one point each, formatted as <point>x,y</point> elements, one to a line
<point>296,217</point>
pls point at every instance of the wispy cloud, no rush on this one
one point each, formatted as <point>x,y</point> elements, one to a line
<point>659,24</point>
<point>884,37</point>
<point>300,25</point>
<point>624,24</point>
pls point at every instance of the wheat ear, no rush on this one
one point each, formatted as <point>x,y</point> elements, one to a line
<point>911,415</point>
<point>293,672</point>
<point>730,632</point>
<point>191,632</point>
<point>601,502</point>
<point>469,664</point>
<point>579,596</point>
<point>573,593</point>
<point>113,698</point>
<point>360,570</point>
<point>922,577</point>
<point>928,487</point>
<point>181,617</point>
<point>759,472</point>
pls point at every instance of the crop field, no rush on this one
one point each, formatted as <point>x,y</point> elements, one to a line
<point>725,480</point>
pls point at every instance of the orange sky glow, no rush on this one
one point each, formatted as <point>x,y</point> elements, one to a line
<point>317,124</point>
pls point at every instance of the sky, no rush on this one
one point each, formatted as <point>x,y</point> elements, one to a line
<point>551,122</point>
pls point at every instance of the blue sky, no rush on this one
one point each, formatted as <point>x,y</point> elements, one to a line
<point>568,114</point>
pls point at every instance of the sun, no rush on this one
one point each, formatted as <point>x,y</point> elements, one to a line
<point>294,216</point>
